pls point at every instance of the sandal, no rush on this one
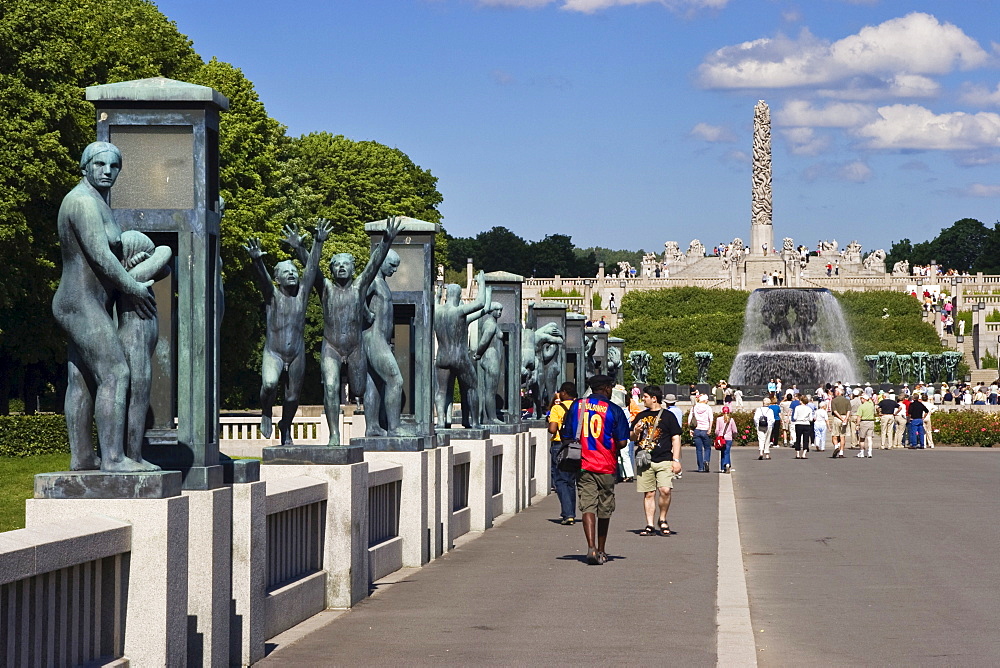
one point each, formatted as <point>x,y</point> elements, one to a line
<point>664,528</point>
<point>602,558</point>
<point>592,558</point>
<point>648,531</point>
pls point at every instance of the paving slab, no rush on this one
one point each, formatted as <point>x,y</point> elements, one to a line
<point>522,594</point>
<point>873,562</point>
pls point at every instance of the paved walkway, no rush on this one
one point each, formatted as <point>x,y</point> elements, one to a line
<point>887,561</point>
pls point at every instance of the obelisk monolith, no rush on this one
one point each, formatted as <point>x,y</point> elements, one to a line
<point>761,229</point>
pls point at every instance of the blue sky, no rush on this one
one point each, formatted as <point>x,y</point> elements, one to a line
<point>627,123</point>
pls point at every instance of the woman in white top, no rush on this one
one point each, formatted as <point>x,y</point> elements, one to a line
<point>802,419</point>
<point>764,435</point>
<point>822,418</point>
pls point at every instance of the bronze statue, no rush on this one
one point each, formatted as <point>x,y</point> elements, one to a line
<point>454,359</point>
<point>384,391</point>
<point>93,280</point>
<point>284,341</point>
<point>345,315</point>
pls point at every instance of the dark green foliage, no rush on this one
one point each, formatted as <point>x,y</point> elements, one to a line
<point>499,249</point>
<point>966,245</point>
<point>611,258</point>
<point>684,320</point>
<point>26,435</point>
<point>49,51</point>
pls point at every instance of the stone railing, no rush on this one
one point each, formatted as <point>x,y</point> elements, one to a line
<point>295,584</point>
<point>207,577</point>
<point>63,588</point>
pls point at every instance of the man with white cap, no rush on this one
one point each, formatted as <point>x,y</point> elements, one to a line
<point>855,423</point>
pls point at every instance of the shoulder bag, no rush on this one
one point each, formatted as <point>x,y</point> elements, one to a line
<point>570,453</point>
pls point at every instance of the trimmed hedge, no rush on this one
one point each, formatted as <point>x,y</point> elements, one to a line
<point>26,435</point>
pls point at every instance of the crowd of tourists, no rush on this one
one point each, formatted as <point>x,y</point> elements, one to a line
<point>622,437</point>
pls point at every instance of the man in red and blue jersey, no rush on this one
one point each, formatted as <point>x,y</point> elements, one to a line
<point>605,432</point>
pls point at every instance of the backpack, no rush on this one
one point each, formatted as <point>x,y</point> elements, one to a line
<point>762,422</point>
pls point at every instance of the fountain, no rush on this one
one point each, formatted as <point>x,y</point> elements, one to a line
<point>798,335</point>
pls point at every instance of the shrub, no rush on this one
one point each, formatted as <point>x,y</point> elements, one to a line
<point>26,435</point>
<point>969,427</point>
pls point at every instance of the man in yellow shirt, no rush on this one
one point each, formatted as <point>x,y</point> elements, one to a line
<point>564,483</point>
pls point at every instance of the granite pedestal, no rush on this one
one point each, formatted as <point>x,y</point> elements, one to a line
<point>345,550</point>
<point>104,485</point>
<point>305,455</point>
<point>480,480</point>
<point>209,575</point>
<point>417,500</point>
<point>156,618</point>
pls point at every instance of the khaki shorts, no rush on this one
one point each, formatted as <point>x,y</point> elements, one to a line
<point>839,426</point>
<point>596,492</point>
<point>866,429</point>
<point>658,475</point>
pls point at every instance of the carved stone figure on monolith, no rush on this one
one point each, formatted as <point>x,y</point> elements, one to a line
<point>454,359</point>
<point>93,280</point>
<point>614,363</point>
<point>704,360</point>
<point>671,366</point>
<point>639,360</point>
<point>144,261</point>
<point>284,339</point>
<point>590,351</point>
<point>345,315</point>
<point>384,392</point>
<point>490,355</point>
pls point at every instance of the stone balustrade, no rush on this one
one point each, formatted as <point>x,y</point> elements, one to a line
<point>208,577</point>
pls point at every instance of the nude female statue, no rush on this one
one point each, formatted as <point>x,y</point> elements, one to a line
<point>384,392</point>
<point>93,278</point>
<point>284,342</point>
<point>144,261</point>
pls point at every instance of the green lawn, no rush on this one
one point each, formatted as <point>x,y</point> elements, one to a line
<point>17,484</point>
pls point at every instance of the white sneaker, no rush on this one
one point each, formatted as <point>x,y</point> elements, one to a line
<point>869,454</point>
<point>861,454</point>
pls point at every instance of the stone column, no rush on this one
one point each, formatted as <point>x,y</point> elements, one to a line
<point>761,228</point>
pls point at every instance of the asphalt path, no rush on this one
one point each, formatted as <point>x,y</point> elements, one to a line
<point>522,594</point>
<point>851,562</point>
<point>888,561</point>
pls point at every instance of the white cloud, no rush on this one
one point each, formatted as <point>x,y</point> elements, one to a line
<point>835,115</point>
<point>910,126</point>
<point>592,6</point>
<point>713,133</point>
<point>981,96</point>
<point>983,190</point>
<point>896,56</point>
<point>805,141</point>
<point>854,172</point>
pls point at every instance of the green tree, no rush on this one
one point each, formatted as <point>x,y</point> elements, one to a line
<point>260,200</point>
<point>899,251</point>
<point>502,250</point>
<point>352,183</point>
<point>49,51</point>
<point>988,261</point>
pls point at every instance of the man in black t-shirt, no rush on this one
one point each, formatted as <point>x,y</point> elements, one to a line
<point>656,429</point>
<point>917,411</point>
<point>887,410</point>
